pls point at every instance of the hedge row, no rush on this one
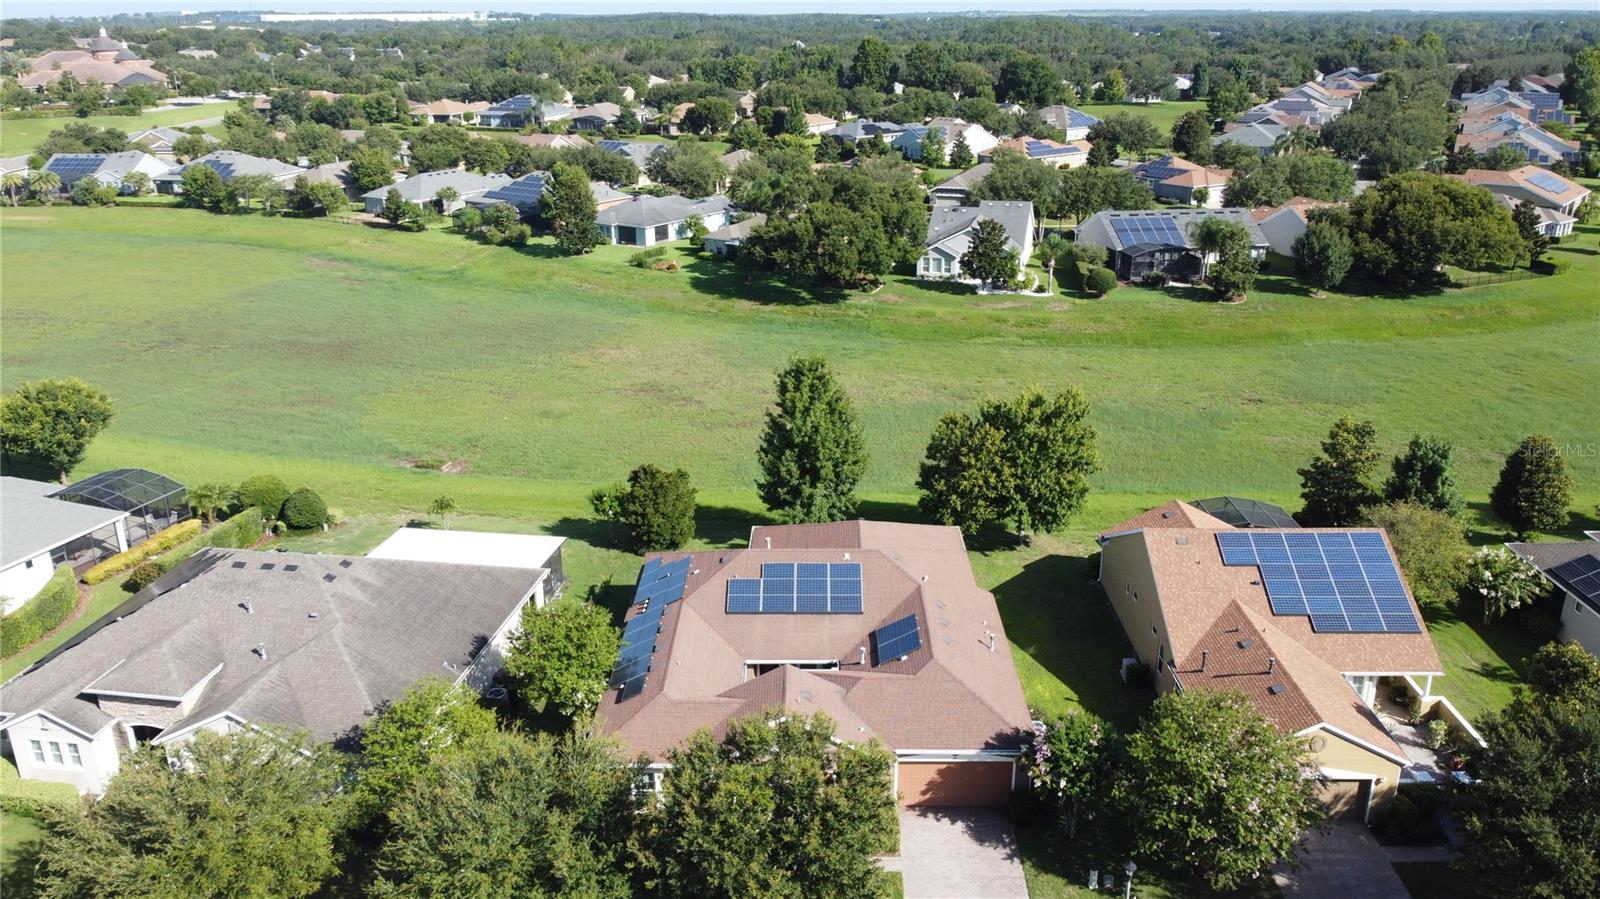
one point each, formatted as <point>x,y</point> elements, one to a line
<point>39,615</point>
<point>32,797</point>
<point>238,532</point>
<point>109,568</point>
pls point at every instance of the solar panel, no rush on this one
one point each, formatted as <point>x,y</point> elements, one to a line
<point>895,640</point>
<point>1582,576</point>
<point>1548,182</point>
<point>627,670</point>
<point>805,587</point>
<point>1345,582</point>
<point>662,581</point>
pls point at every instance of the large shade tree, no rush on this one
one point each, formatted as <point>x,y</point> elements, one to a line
<point>47,425</point>
<point>812,451</point>
<point>1338,484</point>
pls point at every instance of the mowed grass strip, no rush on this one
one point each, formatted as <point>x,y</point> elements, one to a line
<point>20,136</point>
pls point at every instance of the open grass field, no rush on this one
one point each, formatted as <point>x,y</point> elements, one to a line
<point>20,136</point>
<point>336,355</point>
<point>1162,115</point>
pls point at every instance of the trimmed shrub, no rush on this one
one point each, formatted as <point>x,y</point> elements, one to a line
<point>109,568</point>
<point>264,491</point>
<point>304,510</point>
<point>238,532</point>
<point>39,615</point>
<point>1100,281</point>
<point>1154,279</point>
<point>33,797</point>
<point>1412,816</point>
<point>143,575</point>
<point>647,258</point>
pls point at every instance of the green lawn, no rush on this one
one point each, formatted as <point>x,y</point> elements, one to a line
<point>333,353</point>
<point>19,136</point>
<point>19,835</point>
<point>1162,115</point>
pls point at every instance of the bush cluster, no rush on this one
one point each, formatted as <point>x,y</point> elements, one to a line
<point>1412,816</point>
<point>1100,281</point>
<point>112,566</point>
<point>238,532</point>
<point>38,616</point>
<point>647,258</point>
<point>33,797</point>
<point>304,510</point>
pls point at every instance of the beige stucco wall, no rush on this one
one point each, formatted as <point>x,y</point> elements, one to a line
<point>1342,755</point>
<point>1129,583</point>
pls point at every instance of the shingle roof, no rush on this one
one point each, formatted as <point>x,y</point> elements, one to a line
<point>1066,118</point>
<point>72,166</point>
<point>951,693</point>
<point>31,522</point>
<point>337,637</point>
<point>1171,514</point>
<point>1552,558</point>
<point>645,211</point>
<point>1530,182</point>
<point>1102,224</point>
<point>426,186</point>
<point>739,230</point>
<point>230,164</point>
<point>950,226</point>
<point>965,181</point>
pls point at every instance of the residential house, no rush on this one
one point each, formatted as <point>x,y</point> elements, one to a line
<point>817,123</point>
<point>492,550</point>
<point>230,165</point>
<point>1179,180</point>
<point>596,117</point>
<point>855,131</point>
<point>953,191</point>
<point>641,152</point>
<point>1538,106</point>
<point>39,532</point>
<point>908,143</point>
<point>978,138</point>
<point>392,52</point>
<point>674,118</point>
<point>1508,129</point>
<point>1259,136</point>
<point>1074,124</point>
<point>644,221</point>
<point>1283,225</point>
<point>197,53</point>
<point>335,173</point>
<point>513,112</point>
<point>887,632</point>
<point>1574,569</point>
<point>423,189</point>
<point>553,141</point>
<point>101,59</point>
<point>1162,240</point>
<point>727,240</point>
<point>950,230</point>
<point>1266,613</point>
<point>158,141</point>
<point>745,104</point>
<point>1557,198</point>
<point>527,195</point>
<point>235,639</point>
<point>1050,152</point>
<point>448,112</point>
<point>109,169</point>
<point>9,164</point>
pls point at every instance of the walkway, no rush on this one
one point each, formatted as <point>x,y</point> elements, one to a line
<point>958,853</point>
<point>1413,738</point>
<point>1348,862</point>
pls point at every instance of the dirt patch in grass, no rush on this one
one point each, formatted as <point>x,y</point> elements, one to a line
<point>1003,304</point>
<point>457,466</point>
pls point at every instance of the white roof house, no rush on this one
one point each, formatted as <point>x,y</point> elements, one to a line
<point>472,548</point>
<point>424,188</point>
<point>39,532</point>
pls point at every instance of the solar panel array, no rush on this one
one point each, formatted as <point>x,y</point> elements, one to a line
<point>71,168</point>
<point>660,585</point>
<point>798,588</point>
<point>663,581</point>
<point>895,640</point>
<point>1157,171</point>
<point>1548,182</point>
<point>225,169</point>
<point>1076,119</point>
<point>1146,229</point>
<point>524,193</point>
<point>1345,582</point>
<point>1037,148</point>
<point>1582,576</point>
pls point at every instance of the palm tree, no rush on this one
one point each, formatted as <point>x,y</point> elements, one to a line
<point>1208,236</point>
<point>13,182</point>
<point>44,185</point>
<point>1296,140</point>
<point>442,507</point>
<point>208,499</point>
<point>1052,248</point>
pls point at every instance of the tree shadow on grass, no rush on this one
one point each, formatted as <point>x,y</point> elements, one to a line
<point>540,250</point>
<point>1056,614</point>
<point>20,878</point>
<point>717,277</point>
<point>946,286</point>
<point>727,526</point>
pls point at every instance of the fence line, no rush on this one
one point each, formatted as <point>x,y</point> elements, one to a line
<point>1486,279</point>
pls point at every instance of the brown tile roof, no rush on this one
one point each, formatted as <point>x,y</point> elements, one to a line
<point>449,107</point>
<point>1172,514</point>
<point>1200,177</point>
<point>951,693</point>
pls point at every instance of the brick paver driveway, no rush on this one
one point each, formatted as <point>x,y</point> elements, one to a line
<point>959,853</point>
<point>1348,862</point>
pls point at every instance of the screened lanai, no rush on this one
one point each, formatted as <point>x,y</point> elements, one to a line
<point>1247,513</point>
<point>152,501</point>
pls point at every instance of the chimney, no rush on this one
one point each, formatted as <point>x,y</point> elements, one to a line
<point>1272,664</point>
<point>1205,655</point>
<point>863,659</point>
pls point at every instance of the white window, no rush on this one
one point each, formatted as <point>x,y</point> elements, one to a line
<point>55,753</point>
<point>38,751</point>
<point>77,757</point>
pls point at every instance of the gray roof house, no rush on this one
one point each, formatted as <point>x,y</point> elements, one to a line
<point>424,189</point>
<point>725,241</point>
<point>1142,241</point>
<point>236,638</point>
<point>230,165</point>
<point>527,194</point>
<point>1072,122</point>
<point>108,169</point>
<point>39,532</point>
<point>950,231</point>
<point>158,141</point>
<point>1261,136</point>
<point>639,151</point>
<point>1574,568</point>
<point>644,220</point>
<point>953,190</point>
<point>857,130</point>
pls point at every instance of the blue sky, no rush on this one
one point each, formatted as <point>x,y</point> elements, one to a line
<point>41,8</point>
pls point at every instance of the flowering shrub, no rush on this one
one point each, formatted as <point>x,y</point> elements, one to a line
<point>1068,760</point>
<point>1503,580</point>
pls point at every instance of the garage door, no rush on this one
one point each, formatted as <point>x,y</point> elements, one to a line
<point>955,783</point>
<point>1345,798</point>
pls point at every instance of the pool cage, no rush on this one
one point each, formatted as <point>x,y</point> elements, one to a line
<point>152,501</point>
<point>1246,513</point>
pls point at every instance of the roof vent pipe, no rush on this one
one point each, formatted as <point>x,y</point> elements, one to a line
<point>863,659</point>
<point>847,557</point>
<point>1205,656</point>
<point>991,640</point>
<point>248,608</point>
<point>1272,664</point>
<point>769,543</point>
<point>261,650</point>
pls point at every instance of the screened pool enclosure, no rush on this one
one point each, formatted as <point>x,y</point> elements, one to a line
<point>152,501</point>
